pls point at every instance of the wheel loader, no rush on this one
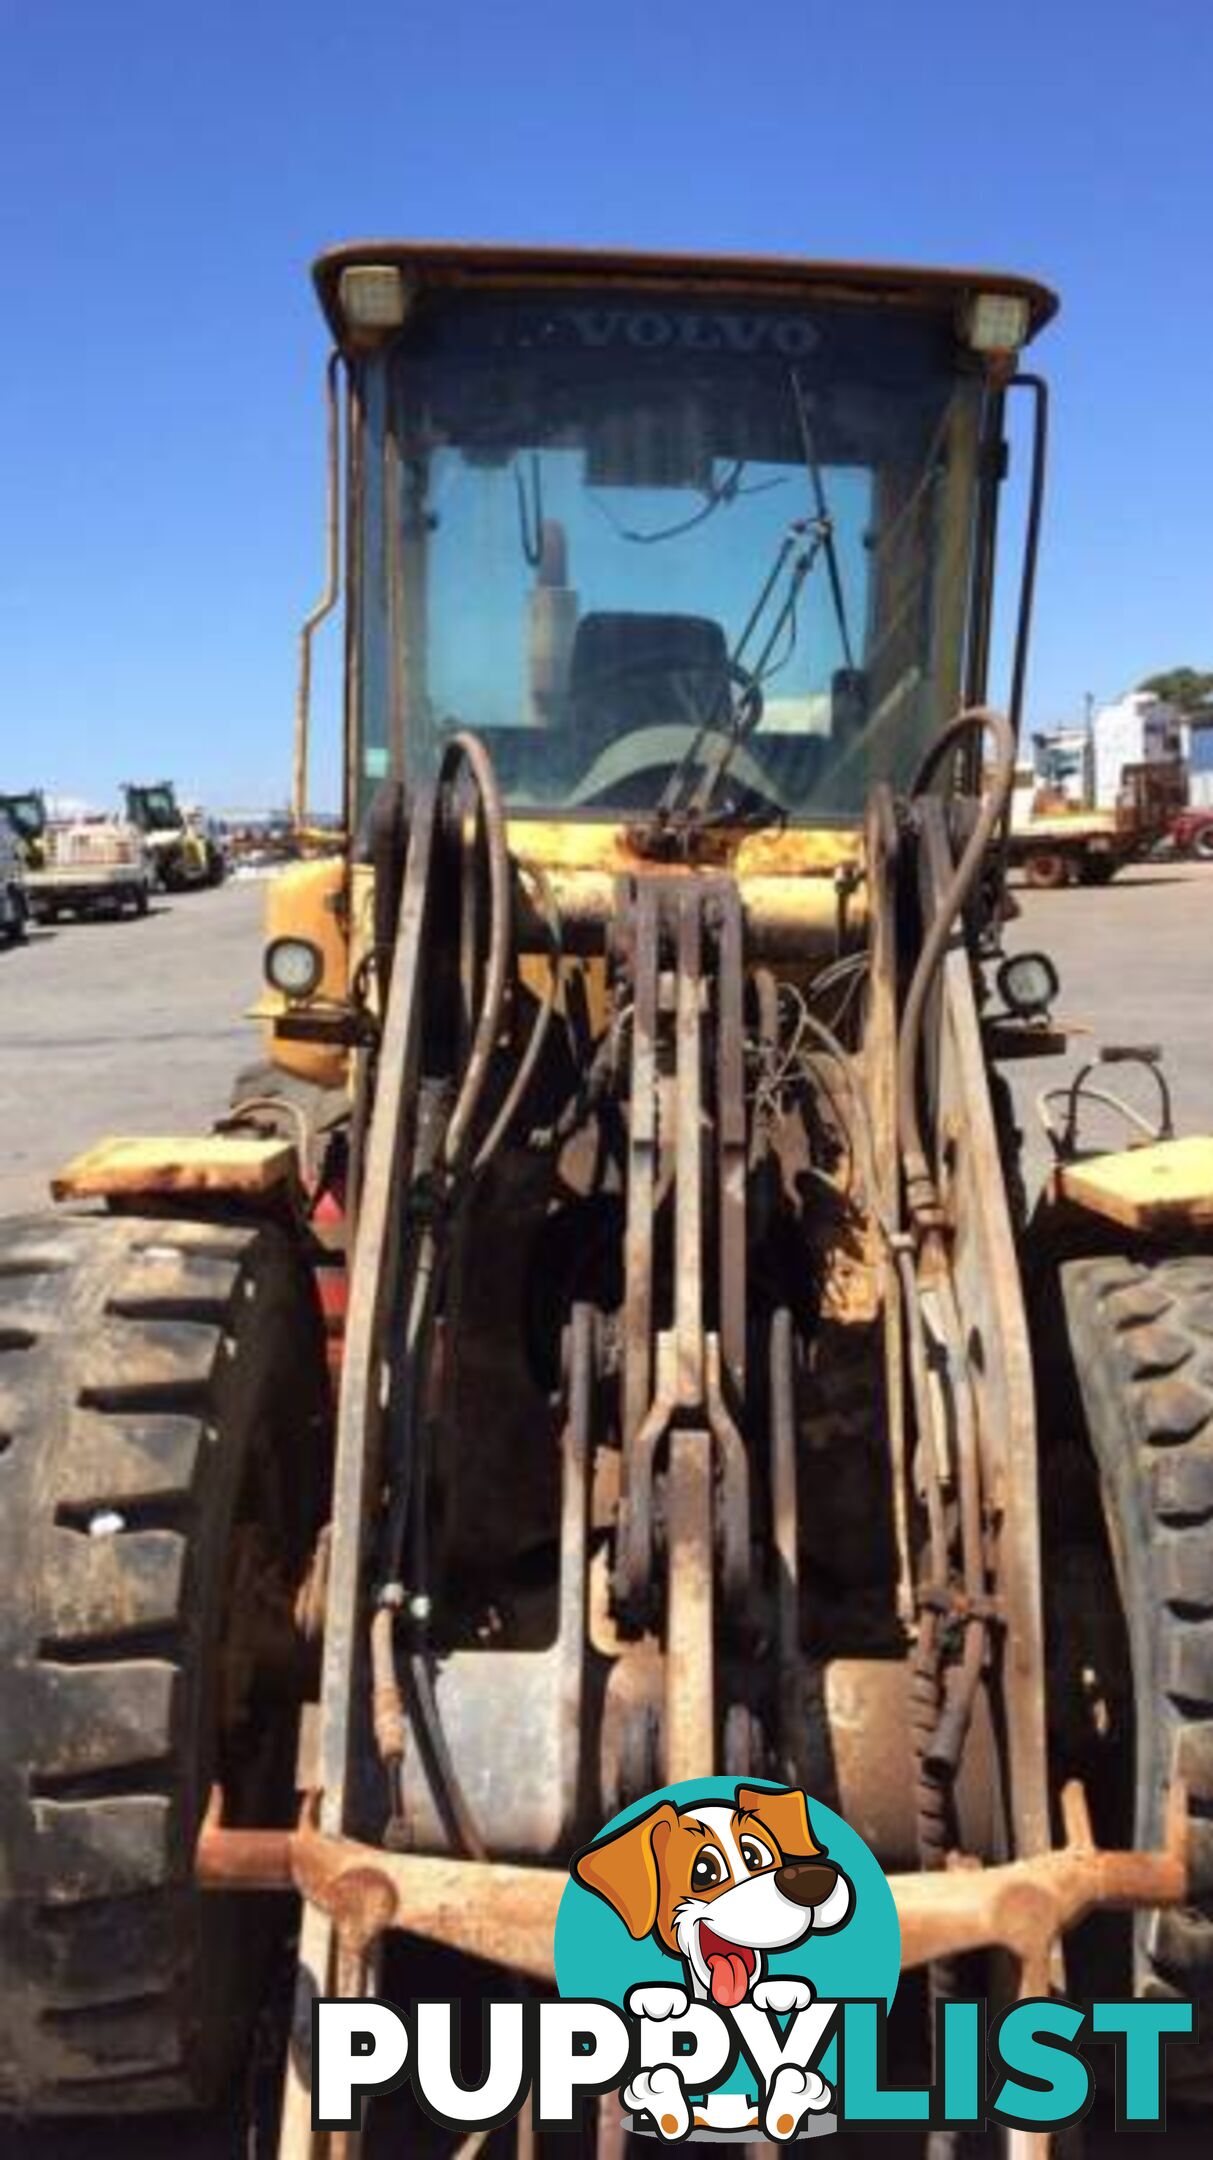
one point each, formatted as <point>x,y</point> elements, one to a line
<point>608,1341</point>
<point>181,843</point>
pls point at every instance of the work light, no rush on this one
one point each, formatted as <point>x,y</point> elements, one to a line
<point>998,322</point>
<point>372,297</point>
<point>294,966</point>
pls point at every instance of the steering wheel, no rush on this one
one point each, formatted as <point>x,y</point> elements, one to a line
<point>646,750</point>
<point>607,680</point>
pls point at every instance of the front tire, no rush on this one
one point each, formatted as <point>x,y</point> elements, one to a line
<point>162,1450</point>
<point>1141,1343</point>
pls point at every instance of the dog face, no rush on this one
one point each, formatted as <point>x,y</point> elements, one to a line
<point>719,1886</point>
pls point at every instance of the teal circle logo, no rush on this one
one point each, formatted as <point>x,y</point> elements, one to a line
<point>596,1953</point>
<point>724,1888</point>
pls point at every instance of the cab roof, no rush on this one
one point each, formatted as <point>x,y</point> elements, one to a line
<point>456,264</point>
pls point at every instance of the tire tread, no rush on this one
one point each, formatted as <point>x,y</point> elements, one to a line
<point>1140,1338</point>
<point>111,1397</point>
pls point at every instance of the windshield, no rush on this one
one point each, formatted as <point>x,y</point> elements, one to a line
<point>25,814</point>
<point>663,551</point>
<point>154,808</point>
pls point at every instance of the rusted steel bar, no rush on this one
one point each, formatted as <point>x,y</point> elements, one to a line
<point>1026,1906</point>
<point>689,1729</point>
<point>731,1134</point>
<point>498,1912</point>
<point>688,1154</point>
<point>228,1859</point>
<point>643,1144</point>
<point>360,1409</point>
<point>245,1860</point>
<point>507,1914</point>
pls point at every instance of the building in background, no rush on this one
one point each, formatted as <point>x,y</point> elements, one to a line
<point>1138,729</point>
<point>1198,751</point>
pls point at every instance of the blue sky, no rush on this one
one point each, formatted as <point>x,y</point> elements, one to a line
<point>169,167</point>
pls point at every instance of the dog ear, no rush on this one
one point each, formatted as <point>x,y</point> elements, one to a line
<point>624,1869</point>
<point>786,1814</point>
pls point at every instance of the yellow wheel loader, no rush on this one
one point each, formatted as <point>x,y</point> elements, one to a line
<point>609,1344</point>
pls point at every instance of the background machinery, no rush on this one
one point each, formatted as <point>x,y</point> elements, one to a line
<point>634,1154</point>
<point>77,861</point>
<point>183,848</point>
<point>13,904</point>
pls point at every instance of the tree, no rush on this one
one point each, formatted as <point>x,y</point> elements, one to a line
<point>1185,687</point>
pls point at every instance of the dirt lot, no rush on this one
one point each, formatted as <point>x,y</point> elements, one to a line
<point>137,1026</point>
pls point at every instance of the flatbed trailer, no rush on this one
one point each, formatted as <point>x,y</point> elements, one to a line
<point>1072,847</point>
<point>1055,842</point>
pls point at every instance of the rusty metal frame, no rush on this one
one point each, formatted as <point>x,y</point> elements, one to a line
<point>995,1355</point>
<point>678,1381</point>
<point>361,1408</point>
<point>506,1915</point>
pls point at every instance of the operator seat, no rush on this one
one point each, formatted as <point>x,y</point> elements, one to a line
<point>634,670</point>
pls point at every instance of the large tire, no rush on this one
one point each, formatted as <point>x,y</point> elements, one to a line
<point>1097,870</point>
<point>1141,1340</point>
<point>162,1440</point>
<point>1202,843</point>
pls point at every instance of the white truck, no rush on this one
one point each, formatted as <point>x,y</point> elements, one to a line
<point>80,862</point>
<point>1056,838</point>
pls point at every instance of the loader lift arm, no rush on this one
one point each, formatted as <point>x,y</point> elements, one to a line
<point>664,1611</point>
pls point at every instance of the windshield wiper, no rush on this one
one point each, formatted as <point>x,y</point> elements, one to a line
<point>825,521</point>
<point>803,557</point>
<point>674,808</point>
<point>670,805</point>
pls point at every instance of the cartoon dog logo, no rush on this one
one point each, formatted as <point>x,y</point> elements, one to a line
<point>720,1888</point>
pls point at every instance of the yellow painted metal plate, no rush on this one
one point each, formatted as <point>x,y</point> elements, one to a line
<point>1146,1188</point>
<point>308,900</point>
<point>210,1163</point>
<point>591,844</point>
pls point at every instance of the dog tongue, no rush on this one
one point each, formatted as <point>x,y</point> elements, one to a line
<point>729,1973</point>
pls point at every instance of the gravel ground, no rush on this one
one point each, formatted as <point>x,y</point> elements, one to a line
<point>138,1026</point>
<point>1136,965</point>
<point>131,1026</point>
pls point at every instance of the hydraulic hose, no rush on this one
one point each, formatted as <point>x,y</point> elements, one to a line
<point>529,1060</point>
<point>922,1198</point>
<point>450,1165</point>
<point>471,750</point>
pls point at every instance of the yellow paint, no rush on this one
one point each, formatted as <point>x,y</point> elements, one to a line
<point>308,901</point>
<point>570,844</point>
<point>214,1163</point>
<point>1167,1184</point>
<point>534,971</point>
<point>362,925</point>
<point>787,880</point>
